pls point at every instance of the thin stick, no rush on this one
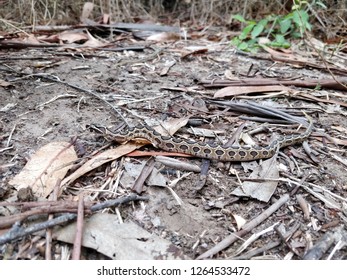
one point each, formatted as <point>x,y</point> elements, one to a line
<point>10,136</point>
<point>17,231</point>
<point>226,242</point>
<point>76,253</point>
<point>48,253</point>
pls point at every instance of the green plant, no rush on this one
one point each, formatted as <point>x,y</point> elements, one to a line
<point>275,28</point>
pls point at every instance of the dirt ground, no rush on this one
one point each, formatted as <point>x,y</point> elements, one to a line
<point>135,84</point>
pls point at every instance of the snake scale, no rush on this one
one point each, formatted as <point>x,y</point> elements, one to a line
<point>202,149</point>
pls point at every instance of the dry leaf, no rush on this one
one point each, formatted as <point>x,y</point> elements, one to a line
<point>48,165</point>
<point>69,37</point>
<point>261,190</point>
<point>170,127</point>
<point>31,39</point>
<point>238,90</point>
<point>92,42</point>
<point>101,159</point>
<point>126,241</point>
<point>133,170</point>
<point>164,37</point>
<point>230,76</point>
<point>239,221</point>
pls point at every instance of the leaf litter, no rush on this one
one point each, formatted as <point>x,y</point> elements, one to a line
<point>178,96</point>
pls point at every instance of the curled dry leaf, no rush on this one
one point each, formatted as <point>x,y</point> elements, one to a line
<point>48,165</point>
<point>239,221</point>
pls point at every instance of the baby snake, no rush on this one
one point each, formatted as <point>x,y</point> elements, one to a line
<point>201,149</point>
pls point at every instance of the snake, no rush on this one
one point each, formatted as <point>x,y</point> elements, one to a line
<point>213,151</point>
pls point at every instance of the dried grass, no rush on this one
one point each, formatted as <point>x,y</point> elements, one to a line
<point>205,12</point>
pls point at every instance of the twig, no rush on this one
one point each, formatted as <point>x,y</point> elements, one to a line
<point>145,172</point>
<point>49,237</point>
<point>304,206</point>
<point>10,136</point>
<point>17,231</point>
<point>285,238</point>
<point>253,238</point>
<point>226,242</point>
<point>258,251</point>
<point>54,99</point>
<point>76,253</point>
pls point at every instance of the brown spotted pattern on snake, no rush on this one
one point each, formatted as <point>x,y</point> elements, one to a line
<point>205,150</point>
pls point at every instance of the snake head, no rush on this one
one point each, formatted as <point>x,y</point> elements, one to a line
<point>104,132</point>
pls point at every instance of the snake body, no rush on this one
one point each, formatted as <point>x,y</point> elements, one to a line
<point>202,149</point>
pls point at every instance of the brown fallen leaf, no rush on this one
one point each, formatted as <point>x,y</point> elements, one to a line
<point>100,159</point>
<point>48,165</point>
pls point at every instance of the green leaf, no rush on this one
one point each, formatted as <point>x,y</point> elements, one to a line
<point>235,41</point>
<point>285,25</point>
<point>288,16</point>
<point>308,26</point>
<point>300,18</point>
<point>239,18</point>
<point>258,28</point>
<point>246,31</point>
<point>296,35</point>
<point>243,46</point>
<point>286,45</point>
<point>279,38</point>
